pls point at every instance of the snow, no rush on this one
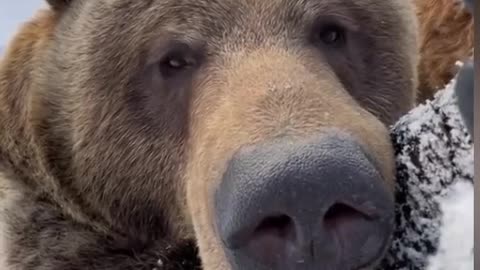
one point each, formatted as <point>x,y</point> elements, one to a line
<point>456,236</point>
<point>434,208</point>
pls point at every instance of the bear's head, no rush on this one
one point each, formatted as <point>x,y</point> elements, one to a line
<point>257,128</point>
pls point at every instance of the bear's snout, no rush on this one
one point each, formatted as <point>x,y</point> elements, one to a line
<point>304,204</point>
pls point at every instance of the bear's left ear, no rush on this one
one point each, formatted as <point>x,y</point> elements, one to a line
<point>59,5</point>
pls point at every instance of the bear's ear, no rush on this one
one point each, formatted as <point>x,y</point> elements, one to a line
<point>59,5</point>
<point>470,4</point>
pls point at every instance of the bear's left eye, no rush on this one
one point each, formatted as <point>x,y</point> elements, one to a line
<point>176,63</point>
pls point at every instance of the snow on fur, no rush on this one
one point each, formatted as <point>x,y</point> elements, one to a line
<point>434,196</point>
<point>456,238</point>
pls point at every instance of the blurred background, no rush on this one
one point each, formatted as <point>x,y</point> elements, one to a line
<point>12,13</point>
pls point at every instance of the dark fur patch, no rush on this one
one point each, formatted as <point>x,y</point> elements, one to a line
<point>48,240</point>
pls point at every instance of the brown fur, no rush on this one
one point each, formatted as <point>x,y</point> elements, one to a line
<point>117,167</point>
<point>446,36</point>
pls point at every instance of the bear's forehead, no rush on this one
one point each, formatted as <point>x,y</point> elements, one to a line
<point>131,29</point>
<point>227,15</point>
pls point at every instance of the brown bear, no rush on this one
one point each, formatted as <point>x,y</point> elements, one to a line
<point>134,132</point>
<point>445,37</point>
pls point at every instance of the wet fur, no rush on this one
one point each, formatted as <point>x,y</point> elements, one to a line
<point>114,175</point>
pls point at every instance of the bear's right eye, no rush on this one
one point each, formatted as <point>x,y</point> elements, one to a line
<point>331,35</point>
<point>175,63</point>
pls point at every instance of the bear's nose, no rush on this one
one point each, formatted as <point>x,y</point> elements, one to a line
<point>313,204</point>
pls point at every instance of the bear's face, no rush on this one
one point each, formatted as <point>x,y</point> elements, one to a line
<point>257,128</point>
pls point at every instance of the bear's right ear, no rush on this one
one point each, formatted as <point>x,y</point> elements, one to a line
<point>59,5</point>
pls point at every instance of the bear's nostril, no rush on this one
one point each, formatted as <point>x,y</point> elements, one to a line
<point>280,226</point>
<point>353,232</point>
<point>272,239</point>
<point>340,213</point>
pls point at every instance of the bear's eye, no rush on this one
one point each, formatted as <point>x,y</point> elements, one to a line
<point>331,35</point>
<point>175,63</point>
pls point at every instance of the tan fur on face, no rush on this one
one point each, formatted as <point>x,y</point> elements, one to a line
<point>83,125</point>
